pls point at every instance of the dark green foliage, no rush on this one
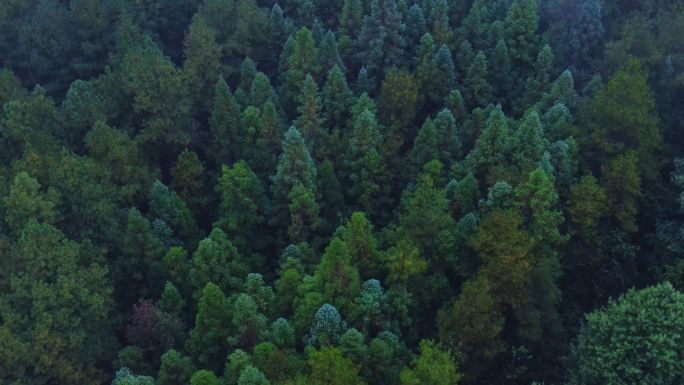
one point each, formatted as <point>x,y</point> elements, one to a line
<point>298,192</point>
<point>381,43</point>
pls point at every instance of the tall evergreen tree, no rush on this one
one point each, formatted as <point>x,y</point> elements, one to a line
<point>329,56</point>
<point>381,43</point>
<point>223,122</point>
<point>478,90</point>
<point>310,122</point>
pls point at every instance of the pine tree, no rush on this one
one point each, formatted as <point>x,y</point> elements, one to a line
<point>446,73</point>
<point>175,369</point>
<point>189,180</point>
<point>367,164</point>
<point>521,25</point>
<point>328,54</point>
<point>528,143</point>
<point>415,27</point>
<point>424,146</point>
<point>439,19</point>
<point>434,366</point>
<point>562,91</point>
<point>540,83</point>
<point>622,117</point>
<point>224,123</point>
<point>243,206</point>
<point>337,277</point>
<point>301,62</point>
<point>25,201</point>
<point>623,185</point>
<point>53,285</point>
<point>363,246</point>
<point>478,90</point>
<point>303,214</point>
<point>247,72</point>
<point>381,44</point>
<point>262,92</point>
<point>332,197</point>
<point>475,25</point>
<point>310,122</point>
<point>587,36</point>
<point>330,367</point>
<point>278,31</point>
<point>202,64</point>
<point>448,143</point>
<point>295,165</point>
<point>490,155</point>
<point>337,99</point>
<point>252,376</point>
<point>215,261</point>
<point>167,206</point>
<point>500,73</point>
<point>208,342</point>
<point>473,325</point>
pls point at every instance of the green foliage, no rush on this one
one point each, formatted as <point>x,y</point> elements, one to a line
<point>636,338</point>
<point>330,367</point>
<point>175,369</point>
<point>55,310</point>
<point>208,342</point>
<point>25,201</point>
<point>432,367</point>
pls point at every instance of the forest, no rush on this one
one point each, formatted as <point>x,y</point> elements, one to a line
<point>341,192</point>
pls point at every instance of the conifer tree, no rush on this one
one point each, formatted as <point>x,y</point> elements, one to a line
<point>301,62</point>
<point>415,27</point>
<point>381,43</point>
<point>208,342</point>
<point>587,36</point>
<point>478,90</point>
<point>216,260</point>
<point>56,310</point>
<point>500,72</point>
<point>243,206</point>
<point>448,143</point>
<point>295,165</point>
<point>337,277</point>
<point>490,155</point>
<point>310,122</point>
<point>202,65</point>
<point>424,146</point>
<point>329,56</point>
<point>528,143</point>
<point>446,73</point>
<point>521,24</point>
<point>367,164</point>
<point>337,99</point>
<point>439,20</point>
<point>303,214</point>
<point>224,123</point>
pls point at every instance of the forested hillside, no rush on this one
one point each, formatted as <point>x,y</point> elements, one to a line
<point>341,192</point>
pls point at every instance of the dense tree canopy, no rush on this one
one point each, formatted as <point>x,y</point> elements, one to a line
<point>253,192</point>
